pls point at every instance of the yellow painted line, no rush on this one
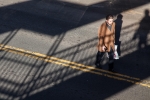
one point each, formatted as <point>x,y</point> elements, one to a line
<point>41,56</point>
<point>73,65</point>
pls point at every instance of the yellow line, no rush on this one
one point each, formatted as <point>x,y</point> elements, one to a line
<point>29,53</point>
<point>13,49</point>
<point>73,65</point>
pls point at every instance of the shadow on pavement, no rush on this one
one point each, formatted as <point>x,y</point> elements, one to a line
<point>44,80</point>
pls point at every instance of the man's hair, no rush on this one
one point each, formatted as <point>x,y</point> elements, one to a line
<point>109,16</point>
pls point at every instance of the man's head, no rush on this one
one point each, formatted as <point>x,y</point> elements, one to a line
<point>146,12</point>
<point>109,19</point>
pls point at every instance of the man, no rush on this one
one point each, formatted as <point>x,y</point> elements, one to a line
<point>106,36</point>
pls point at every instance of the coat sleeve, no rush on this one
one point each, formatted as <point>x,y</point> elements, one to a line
<point>101,35</point>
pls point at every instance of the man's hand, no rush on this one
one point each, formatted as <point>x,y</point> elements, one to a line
<point>103,48</point>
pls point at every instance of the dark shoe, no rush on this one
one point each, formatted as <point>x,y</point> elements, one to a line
<point>112,70</point>
<point>111,67</point>
<point>98,66</point>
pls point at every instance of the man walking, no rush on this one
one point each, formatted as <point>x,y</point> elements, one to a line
<point>106,36</point>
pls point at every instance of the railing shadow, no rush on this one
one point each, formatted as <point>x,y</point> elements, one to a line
<point>40,79</point>
<point>36,80</point>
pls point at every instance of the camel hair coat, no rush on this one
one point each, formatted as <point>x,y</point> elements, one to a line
<point>106,37</point>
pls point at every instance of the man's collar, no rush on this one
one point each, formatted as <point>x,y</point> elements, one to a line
<point>108,24</point>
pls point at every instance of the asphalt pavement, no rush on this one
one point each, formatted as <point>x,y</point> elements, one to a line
<point>48,50</point>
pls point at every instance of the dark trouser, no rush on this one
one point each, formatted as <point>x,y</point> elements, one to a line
<point>99,58</point>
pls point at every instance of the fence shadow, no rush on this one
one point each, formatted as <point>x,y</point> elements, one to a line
<point>37,79</point>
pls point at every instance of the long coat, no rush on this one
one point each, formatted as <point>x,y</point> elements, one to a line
<point>106,37</point>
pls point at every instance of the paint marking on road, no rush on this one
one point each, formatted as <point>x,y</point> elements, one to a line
<point>74,65</point>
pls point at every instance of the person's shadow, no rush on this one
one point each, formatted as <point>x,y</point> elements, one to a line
<point>118,27</point>
<point>143,31</point>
